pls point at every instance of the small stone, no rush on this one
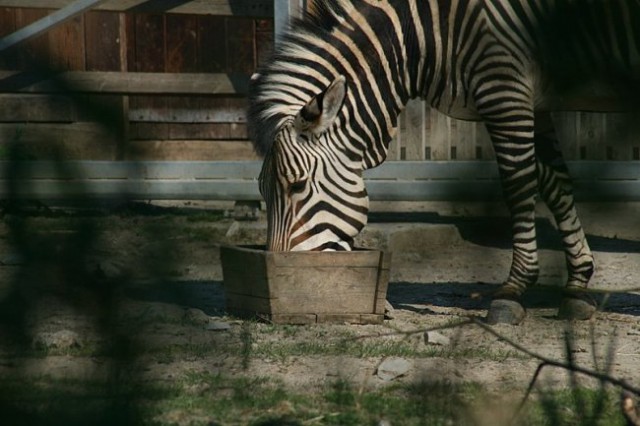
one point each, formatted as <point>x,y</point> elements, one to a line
<point>389,311</point>
<point>392,368</point>
<point>196,316</point>
<point>233,229</point>
<point>505,311</point>
<point>63,339</point>
<point>110,269</point>
<point>435,338</point>
<point>218,326</point>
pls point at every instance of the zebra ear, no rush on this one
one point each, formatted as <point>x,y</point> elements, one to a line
<point>317,115</point>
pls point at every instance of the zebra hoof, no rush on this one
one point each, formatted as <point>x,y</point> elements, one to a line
<point>505,311</point>
<point>577,307</point>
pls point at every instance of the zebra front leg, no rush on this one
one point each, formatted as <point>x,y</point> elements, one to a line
<point>556,190</point>
<point>516,162</point>
<point>504,100</point>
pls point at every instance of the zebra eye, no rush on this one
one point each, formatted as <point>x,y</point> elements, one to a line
<point>297,187</point>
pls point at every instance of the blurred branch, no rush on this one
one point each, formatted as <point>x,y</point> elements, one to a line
<point>629,410</point>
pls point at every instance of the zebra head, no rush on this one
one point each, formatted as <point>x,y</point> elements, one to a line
<point>312,184</point>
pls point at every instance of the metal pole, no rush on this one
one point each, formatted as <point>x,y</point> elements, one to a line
<point>40,26</point>
<point>284,12</point>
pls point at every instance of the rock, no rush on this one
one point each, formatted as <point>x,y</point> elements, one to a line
<point>392,368</point>
<point>62,339</point>
<point>110,269</point>
<point>435,338</point>
<point>233,229</point>
<point>218,326</point>
<point>196,316</point>
<point>388,310</point>
<point>505,311</point>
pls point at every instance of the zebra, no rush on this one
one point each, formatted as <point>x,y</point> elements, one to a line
<point>326,105</point>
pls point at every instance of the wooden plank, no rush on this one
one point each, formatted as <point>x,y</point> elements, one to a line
<point>191,150</point>
<point>240,39</point>
<point>436,170</point>
<point>66,13</point>
<point>149,131</point>
<point>264,41</point>
<point>67,46</point>
<point>124,83</point>
<point>591,136</point>
<point>365,259</point>
<point>464,139</point>
<point>204,170</point>
<point>150,54</point>
<point>152,170</point>
<point>439,135</point>
<point>594,181</point>
<point>566,124</point>
<point>7,21</point>
<point>140,190</point>
<point>245,274</point>
<point>483,143</point>
<point>181,43</point>
<point>8,60</point>
<point>74,141</point>
<point>34,53</point>
<point>315,291</point>
<point>248,190</point>
<point>206,131</point>
<point>458,190</point>
<point>258,8</point>
<point>37,108</point>
<point>191,109</point>
<point>104,42</point>
<point>604,170</point>
<point>620,135</point>
<point>414,131</point>
<point>212,48</point>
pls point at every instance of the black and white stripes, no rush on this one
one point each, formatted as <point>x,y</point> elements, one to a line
<point>326,106</point>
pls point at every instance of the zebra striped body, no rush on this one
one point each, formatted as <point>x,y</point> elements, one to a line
<point>326,106</point>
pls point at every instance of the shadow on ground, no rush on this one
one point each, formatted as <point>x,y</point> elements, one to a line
<point>209,296</point>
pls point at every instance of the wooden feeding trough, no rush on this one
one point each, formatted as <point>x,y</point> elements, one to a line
<point>306,287</point>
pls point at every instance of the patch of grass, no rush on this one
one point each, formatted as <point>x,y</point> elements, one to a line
<point>206,216</point>
<point>371,348</point>
<point>209,398</point>
<point>580,406</point>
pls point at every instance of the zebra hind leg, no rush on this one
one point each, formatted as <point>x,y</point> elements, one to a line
<point>556,190</point>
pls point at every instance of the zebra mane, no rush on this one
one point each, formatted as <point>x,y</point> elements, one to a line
<point>268,111</point>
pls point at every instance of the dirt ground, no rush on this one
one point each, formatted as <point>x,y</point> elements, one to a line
<point>442,255</point>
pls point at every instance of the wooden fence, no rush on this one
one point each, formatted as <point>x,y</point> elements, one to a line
<point>150,62</point>
<point>172,76</point>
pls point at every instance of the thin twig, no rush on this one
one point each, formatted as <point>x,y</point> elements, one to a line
<point>528,392</point>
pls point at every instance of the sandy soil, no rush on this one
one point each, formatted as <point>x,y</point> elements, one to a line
<point>439,262</point>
